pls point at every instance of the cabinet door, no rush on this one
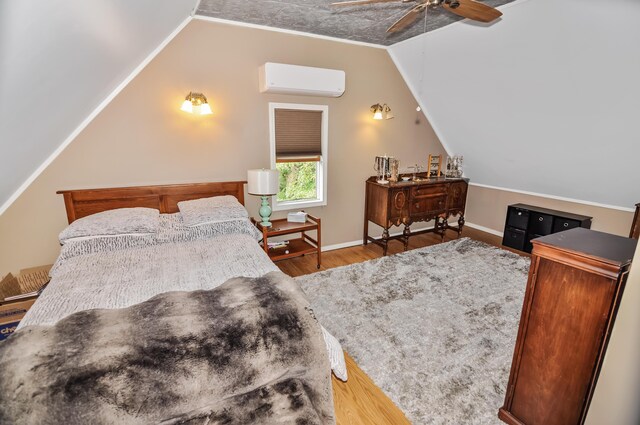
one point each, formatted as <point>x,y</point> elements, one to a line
<point>565,327</point>
<point>457,197</point>
<point>399,208</point>
<point>377,204</point>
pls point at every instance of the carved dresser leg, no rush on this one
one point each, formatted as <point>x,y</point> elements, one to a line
<point>443,228</point>
<point>385,241</point>
<point>460,224</point>
<point>406,233</point>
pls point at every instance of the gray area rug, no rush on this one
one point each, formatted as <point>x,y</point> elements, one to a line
<point>433,327</point>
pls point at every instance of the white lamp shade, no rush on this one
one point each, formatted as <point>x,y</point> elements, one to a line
<point>187,106</point>
<point>205,109</point>
<point>262,182</point>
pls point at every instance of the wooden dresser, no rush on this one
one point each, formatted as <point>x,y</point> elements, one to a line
<point>635,225</point>
<point>405,203</point>
<point>576,281</point>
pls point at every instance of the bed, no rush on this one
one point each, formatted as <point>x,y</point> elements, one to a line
<point>145,307</point>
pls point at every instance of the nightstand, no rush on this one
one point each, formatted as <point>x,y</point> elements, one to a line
<point>297,247</point>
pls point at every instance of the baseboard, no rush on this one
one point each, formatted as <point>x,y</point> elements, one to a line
<point>341,245</point>
<point>484,229</point>
<point>359,241</point>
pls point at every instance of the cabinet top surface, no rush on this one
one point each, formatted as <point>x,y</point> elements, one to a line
<point>605,247</point>
<point>424,180</point>
<point>282,225</point>
<point>551,212</point>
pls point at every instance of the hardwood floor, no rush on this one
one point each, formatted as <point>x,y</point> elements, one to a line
<point>359,401</point>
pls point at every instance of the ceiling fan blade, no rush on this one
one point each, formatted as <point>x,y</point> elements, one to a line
<point>472,10</point>
<point>407,19</point>
<point>363,2</point>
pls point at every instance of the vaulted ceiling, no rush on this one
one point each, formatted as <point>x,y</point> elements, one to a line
<point>62,60</point>
<point>544,100</point>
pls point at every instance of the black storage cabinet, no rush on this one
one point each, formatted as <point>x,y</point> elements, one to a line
<point>527,222</point>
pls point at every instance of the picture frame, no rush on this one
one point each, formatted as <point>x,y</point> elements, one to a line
<point>434,166</point>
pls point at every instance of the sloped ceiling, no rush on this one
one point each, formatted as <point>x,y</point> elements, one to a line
<point>59,59</point>
<point>545,101</point>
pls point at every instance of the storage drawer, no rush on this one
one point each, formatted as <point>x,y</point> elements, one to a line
<point>429,190</point>
<point>536,221</point>
<point>518,218</point>
<point>540,224</point>
<point>528,246</point>
<point>426,205</point>
<point>560,224</point>
<point>514,238</point>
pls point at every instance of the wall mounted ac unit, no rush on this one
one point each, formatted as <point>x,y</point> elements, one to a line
<point>301,80</point>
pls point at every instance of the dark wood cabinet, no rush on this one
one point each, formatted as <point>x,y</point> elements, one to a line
<point>635,224</point>
<point>405,203</point>
<point>575,285</point>
<point>526,222</point>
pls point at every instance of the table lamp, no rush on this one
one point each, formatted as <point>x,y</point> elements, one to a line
<point>263,183</point>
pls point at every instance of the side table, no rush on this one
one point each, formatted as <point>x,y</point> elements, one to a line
<point>296,247</point>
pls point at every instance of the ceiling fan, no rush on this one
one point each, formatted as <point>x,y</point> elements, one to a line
<point>470,9</point>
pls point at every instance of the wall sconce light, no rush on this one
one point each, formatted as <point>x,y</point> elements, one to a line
<point>381,111</point>
<point>196,103</point>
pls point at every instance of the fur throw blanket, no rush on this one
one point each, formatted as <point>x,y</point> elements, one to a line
<point>249,351</point>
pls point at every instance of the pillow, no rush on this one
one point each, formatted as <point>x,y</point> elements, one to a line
<point>112,223</point>
<point>336,355</point>
<point>211,210</point>
<point>210,230</point>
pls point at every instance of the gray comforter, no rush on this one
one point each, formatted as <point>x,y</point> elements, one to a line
<point>249,351</point>
<point>120,272</point>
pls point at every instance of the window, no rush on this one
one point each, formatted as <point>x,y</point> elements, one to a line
<point>298,136</point>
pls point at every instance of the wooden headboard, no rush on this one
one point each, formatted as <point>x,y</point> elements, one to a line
<point>165,198</point>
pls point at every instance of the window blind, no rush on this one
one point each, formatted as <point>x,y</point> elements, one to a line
<point>298,133</point>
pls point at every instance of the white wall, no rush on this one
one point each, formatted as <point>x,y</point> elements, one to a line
<point>546,100</point>
<point>615,400</point>
<point>59,59</point>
